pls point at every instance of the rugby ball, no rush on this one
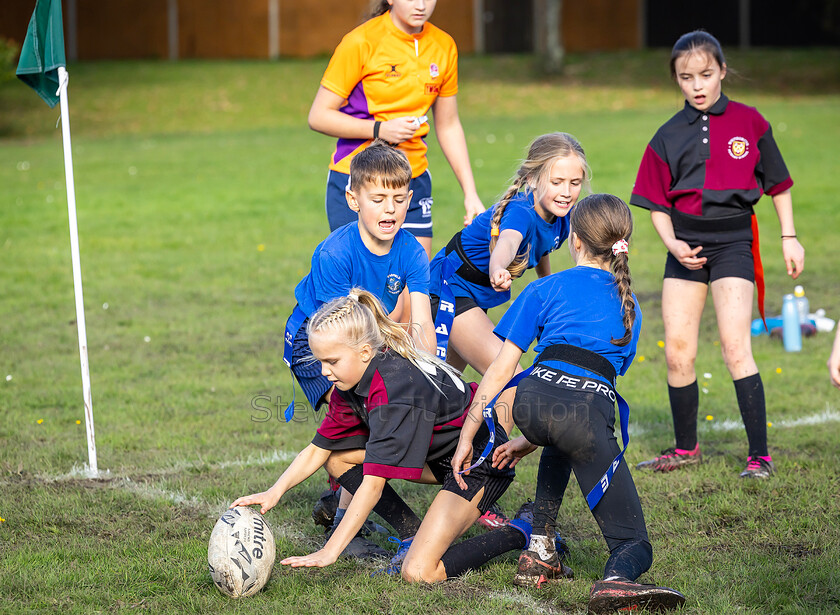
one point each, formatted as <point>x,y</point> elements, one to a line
<point>241,552</point>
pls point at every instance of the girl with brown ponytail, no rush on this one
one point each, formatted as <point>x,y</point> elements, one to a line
<point>586,322</point>
<point>396,412</point>
<point>474,272</point>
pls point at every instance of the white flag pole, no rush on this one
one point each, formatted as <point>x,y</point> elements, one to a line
<point>63,77</point>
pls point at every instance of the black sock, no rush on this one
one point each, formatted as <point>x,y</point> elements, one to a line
<point>750,394</point>
<point>472,553</point>
<point>629,560</point>
<point>391,507</point>
<point>552,479</point>
<point>684,403</point>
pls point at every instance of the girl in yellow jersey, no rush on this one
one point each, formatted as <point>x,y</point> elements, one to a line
<point>382,81</point>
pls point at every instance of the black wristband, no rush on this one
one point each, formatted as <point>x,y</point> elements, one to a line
<point>376,125</point>
<point>788,236</point>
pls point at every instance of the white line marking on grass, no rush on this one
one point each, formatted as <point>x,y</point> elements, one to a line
<point>829,415</point>
<point>259,460</point>
<point>151,492</point>
<point>263,459</point>
<point>514,597</point>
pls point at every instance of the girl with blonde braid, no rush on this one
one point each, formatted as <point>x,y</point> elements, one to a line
<point>474,272</point>
<point>396,412</point>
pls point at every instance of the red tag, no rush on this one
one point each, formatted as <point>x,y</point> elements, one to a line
<point>432,88</point>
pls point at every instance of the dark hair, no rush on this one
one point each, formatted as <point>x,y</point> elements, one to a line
<point>699,40</point>
<point>382,163</point>
<point>601,220</point>
<point>379,7</point>
<point>544,151</point>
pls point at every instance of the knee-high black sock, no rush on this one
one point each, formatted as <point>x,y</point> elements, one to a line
<point>750,394</point>
<point>684,403</point>
<point>629,560</point>
<point>391,507</point>
<point>552,479</point>
<point>472,553</point>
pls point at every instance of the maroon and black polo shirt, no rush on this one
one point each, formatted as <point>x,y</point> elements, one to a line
<point>713,164</point>
<point>401,415</point>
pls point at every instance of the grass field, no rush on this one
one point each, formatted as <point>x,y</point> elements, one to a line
<point>200,200</point>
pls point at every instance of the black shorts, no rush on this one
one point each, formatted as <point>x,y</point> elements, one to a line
<point>733,260</point>
<point>462,304</point>
<point>727,247</point>
<point>494,481</point>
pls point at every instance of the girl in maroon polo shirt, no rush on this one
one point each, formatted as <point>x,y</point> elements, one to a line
<point>700,176</point>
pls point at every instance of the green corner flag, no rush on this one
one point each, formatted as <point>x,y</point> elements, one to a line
<point>43,50</point>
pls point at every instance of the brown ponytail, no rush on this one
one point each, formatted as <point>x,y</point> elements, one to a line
<point>600,221</point>
<point>532,174</point>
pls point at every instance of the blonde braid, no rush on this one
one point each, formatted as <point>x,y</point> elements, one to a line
<point>520,263</point>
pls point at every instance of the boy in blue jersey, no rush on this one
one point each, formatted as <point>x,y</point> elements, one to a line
<point>377,255</point>
<point>374,253</point>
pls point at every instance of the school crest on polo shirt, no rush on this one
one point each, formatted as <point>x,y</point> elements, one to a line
<point>738,147</point>
<point>394,284</point>
<point>434,71</point>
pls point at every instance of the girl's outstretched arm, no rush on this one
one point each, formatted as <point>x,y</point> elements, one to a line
<point>304,465</point>
<point>365,498</point>
<point>495,378</point>
<point>503,254</point>
<point>792,250</point>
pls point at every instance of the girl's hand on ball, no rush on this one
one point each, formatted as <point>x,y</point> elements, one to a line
<point>265,499</point>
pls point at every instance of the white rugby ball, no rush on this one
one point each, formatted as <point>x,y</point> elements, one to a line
<point>241,552</point>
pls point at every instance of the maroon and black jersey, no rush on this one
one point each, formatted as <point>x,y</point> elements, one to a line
<point>714,164</point>
<point>400,414</point>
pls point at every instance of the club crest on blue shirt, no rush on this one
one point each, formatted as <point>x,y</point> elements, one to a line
<point>394,284</point>
<point>738,147</point>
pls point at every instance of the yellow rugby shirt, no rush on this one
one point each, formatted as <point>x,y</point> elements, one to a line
<point>384,73</point>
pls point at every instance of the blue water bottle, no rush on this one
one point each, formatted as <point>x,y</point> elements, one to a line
<point>791,331</point>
